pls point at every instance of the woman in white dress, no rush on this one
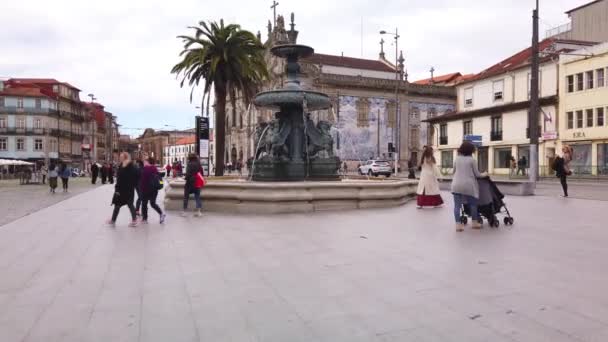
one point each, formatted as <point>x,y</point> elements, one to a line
<point>428,186</point>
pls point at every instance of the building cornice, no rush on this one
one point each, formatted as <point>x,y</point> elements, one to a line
<point>545,101</point>
<point>371,83</point>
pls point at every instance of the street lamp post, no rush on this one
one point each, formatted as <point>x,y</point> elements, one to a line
<point>397,134</point>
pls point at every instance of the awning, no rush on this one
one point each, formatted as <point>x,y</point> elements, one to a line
<point>6,162</point>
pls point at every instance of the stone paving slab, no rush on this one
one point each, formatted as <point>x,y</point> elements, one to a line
<point>397,274</point>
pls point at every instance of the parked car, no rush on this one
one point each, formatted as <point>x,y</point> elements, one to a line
<point>376,168</point>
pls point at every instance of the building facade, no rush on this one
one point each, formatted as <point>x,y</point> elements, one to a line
<point>152,143</point>
<point>367,97</point>
<point>41,120</point>
<point>179,151</point>
<point>493,106</point>
<point>583,108</point>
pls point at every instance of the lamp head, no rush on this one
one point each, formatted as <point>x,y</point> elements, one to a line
<point>382,32</point>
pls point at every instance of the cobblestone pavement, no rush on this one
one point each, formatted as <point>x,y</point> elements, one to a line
<point>20,200</point>
<point>397,274</point>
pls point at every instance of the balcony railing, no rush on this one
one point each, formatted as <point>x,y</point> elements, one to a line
<point>443,140</point>
<point>24,131</point>
<point>495,135</point>
<point>27,110</point>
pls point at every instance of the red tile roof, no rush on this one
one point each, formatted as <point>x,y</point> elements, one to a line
<point>186,141</point>
<point>41,81</point>
<point>24,92</point>
<point>98,113</point>
<point>349,62</point>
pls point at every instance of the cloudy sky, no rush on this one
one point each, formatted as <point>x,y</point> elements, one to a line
<point>122,50</point>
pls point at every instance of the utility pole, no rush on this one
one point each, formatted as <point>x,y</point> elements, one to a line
<point>378,128</point>
<point>534,100</point>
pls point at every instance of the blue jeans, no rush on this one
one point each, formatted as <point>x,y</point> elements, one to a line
<point>459,200</point>
<point>197,197</point>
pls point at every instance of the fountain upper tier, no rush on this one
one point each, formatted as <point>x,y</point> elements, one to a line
<point>292,93</point>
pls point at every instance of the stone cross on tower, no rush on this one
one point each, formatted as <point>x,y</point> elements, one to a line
<point>432,71</point>
<point>382,55</point>
<point>274,10</point>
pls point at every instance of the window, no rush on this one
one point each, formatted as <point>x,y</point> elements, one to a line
<point>502,158</point>
<point>579,119</point>
<point>38,145</point>
<point>37,124</point>
<point>21,123</point>
<point>468,97</point>
<point>589,117</point>
<point>580,82</point>
<point>589,79</point>
<point>3,144</point>
<point>497,88</point>
<point>496,133</point>
<point>20,102</point>
<point>38,103</point>
<point>600,78</point>
<point>1,101</point>
<point>443,134</point>
<point>570,83</point>
<point>415,113</point>
<point>447,159</point>
<point>362,112</point>
<point>392,115</point>
<point>570,120</point>
<point>20,144</point>
<point>2,122</point>
<point>467,127</point>
<point>600,117</point>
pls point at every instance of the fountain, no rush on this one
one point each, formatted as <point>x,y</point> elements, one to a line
<point>291,147</point>
<point>294,169</point>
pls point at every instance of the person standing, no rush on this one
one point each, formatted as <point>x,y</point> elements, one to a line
<point>94,173</point>
<point>191,187</point>
<point>561,165</point>
<point>512,166</point>
<point>111,172</point>
<point>411,169</point>
<point>168,168</point>
<point>464,185</point>
<point>53,174</point>
<point>521,165</point>
<point>124,190</point>
<point>148,186</point>
<point>44,172</point>
<point>64,173</point>
<point>104,173</point>
<point>428,194</point>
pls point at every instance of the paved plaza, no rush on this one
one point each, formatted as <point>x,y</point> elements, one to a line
<point>397,274</point>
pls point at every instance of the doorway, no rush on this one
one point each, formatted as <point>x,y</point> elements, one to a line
<point>482,159</point>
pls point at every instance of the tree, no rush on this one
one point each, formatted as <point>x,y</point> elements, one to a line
<point>228,60</point>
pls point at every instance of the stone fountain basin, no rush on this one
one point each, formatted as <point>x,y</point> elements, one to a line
<point>290,97</point>
<point>246,197</point>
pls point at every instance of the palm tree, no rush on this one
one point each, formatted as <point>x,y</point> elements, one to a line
<point>230,61</point>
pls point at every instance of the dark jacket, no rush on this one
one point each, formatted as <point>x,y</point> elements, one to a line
<point>125,185</point>
<point>558,166</point>
<point>147,173</point>
<point>193,168</point>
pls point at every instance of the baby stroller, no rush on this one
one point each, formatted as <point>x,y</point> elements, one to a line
<point>490,204</point>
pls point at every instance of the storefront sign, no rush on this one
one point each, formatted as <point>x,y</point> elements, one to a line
<point>475,139</point>
<point>576,135</point>
<point>202,139</point>
<point>86,147</point>
<point>549,135</point>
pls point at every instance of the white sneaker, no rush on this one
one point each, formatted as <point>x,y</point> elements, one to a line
<point>198,213</point>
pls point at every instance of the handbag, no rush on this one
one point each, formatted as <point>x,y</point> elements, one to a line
<point>199,181</point>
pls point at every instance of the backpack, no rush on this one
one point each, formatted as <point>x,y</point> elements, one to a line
<point>156,182</point>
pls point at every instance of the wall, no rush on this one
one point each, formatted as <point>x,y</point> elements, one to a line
<point>330,69</point>
<point>591,23</point>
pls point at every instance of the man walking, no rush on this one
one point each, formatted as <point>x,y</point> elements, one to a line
<point>521,165</point>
